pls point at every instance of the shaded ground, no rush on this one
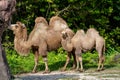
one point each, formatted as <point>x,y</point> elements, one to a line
<point>108,74</point>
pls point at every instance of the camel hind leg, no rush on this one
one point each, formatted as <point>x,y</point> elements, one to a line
<point>101,58</point>
<point>46,64</point>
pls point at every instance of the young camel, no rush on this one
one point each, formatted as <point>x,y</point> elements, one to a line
<point>41,40</point>
<point>82,42</point>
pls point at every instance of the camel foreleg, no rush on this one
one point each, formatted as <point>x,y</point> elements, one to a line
<point>74,62</point>
<point>78,54</point>
<point>36,61</point>
<point>67,61</point>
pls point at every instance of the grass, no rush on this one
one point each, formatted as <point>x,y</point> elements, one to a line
<point>56,60</point>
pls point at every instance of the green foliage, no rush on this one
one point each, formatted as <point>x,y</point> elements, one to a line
<point>19,64</point>
<point>104,15</point>
<point>56,61</point>
<point>101,14</point>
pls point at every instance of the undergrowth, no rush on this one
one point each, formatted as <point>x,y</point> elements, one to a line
<point>56,60</point>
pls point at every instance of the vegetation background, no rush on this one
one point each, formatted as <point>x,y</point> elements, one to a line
<point>104,15</point>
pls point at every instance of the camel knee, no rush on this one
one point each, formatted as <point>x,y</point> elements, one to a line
<point>101,59</point>
<point>45,59</point>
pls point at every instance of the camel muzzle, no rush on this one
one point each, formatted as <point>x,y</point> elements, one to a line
<point>11,26</point>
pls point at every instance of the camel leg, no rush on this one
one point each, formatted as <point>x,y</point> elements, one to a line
<point>67,61</point>
<point>103,57</point>
<point>77,60</point>
<point>78,54</point>
<point>100,60</point>
<point>74,63</point>
<point>99,64</point>
<point>46,65</point>
<point>100,48</point>
<point>81,65</point>
<point>36,61</point>
<point>102,65</point>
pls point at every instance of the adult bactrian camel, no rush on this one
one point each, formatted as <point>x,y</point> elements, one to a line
<point>42,39</point>
<point>82,42</point>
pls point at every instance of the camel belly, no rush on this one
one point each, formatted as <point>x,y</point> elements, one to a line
<point>53,41</point>
<point>53,45</point>
<point>87,45</point>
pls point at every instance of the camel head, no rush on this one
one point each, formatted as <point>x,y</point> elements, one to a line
<point>20,39</point>
<point>64,35</point>
<point>17,28</point>
<point>67,33</point>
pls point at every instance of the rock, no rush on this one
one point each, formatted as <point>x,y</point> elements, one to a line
<point>117,58</point>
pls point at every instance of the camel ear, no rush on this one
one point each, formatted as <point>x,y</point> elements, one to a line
<point>23,25</point>
<point>64,35</point>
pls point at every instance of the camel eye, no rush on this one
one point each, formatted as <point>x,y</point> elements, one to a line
<point>16,26</point>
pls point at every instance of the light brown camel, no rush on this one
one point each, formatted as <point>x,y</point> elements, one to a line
<point>41,40</point>
<point>82,42</point>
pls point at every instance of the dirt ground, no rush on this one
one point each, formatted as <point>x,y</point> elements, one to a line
<point>90,74</point>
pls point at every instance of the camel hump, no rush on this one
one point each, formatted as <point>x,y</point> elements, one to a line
<point>41,23</point>
<point>81,32</point>
<point>57,23</point>
<point>92,32</point>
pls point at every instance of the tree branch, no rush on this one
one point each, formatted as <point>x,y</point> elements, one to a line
<point>65,9</point>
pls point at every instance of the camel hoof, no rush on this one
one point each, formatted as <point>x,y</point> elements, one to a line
<point>46,71</point>
<point>102,69</point>
<point>63,69</point>
<point>82,70</point>
<point>34,71</point>
<point>98,70</point>
<point>76,69</point>
<point>73,68</point>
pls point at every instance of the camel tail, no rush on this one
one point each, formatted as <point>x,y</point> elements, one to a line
<point>103,58</point>
<point>104,48</point>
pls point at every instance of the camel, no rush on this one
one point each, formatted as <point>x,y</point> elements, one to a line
<point>42,39</point>
<point>82,42</point>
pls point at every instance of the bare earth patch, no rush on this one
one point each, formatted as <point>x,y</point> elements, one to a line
<point>108,74</point>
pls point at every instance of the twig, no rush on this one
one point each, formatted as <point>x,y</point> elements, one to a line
<point>65,9</point>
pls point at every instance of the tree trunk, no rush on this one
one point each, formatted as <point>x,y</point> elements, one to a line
<point>7,8</point>
<point>4,69</point>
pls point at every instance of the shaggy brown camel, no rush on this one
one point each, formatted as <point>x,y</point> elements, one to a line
<point>82,42</point>
<point>41,40</point>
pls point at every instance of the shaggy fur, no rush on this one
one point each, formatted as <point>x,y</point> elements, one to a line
<point>82,42</point>
<point>41,40</point>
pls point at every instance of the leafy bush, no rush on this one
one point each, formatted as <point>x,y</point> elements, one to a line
<point>19,64</point>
